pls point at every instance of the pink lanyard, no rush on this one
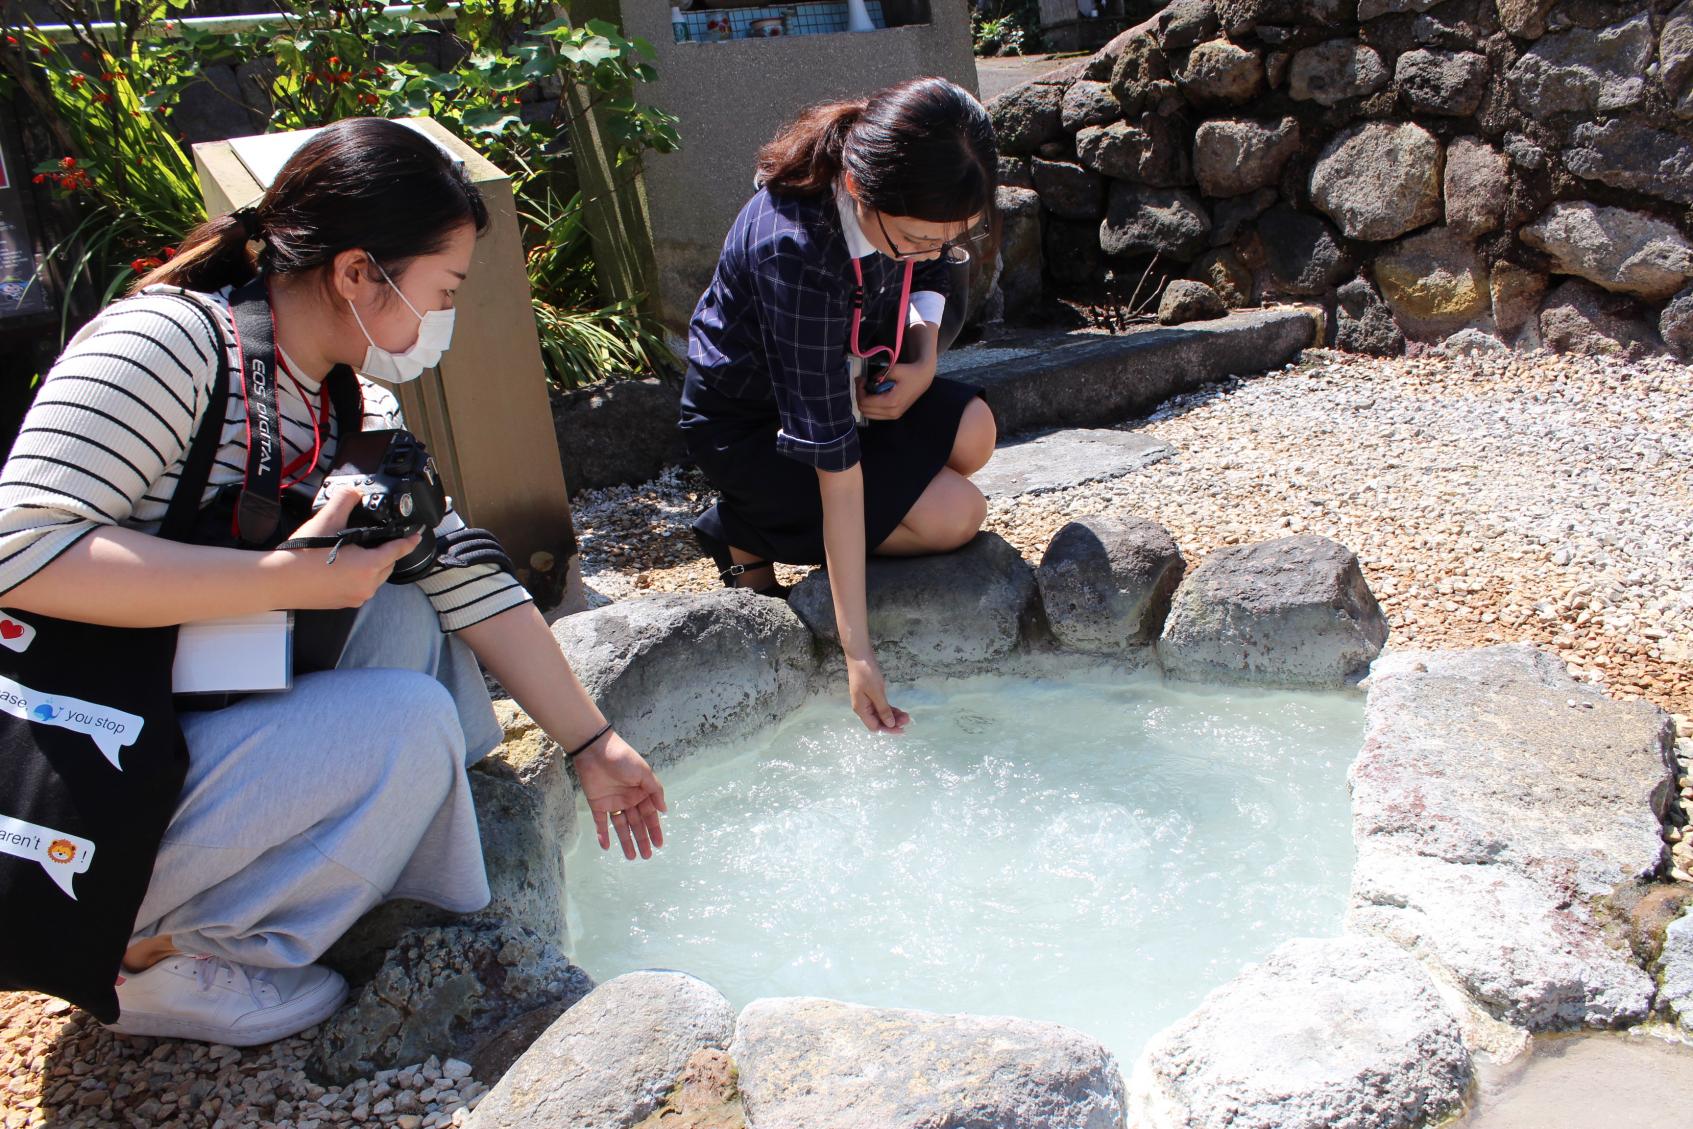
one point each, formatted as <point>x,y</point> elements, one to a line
<point>858,314</point>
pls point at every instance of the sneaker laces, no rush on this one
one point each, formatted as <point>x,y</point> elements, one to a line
<point>206,968</point>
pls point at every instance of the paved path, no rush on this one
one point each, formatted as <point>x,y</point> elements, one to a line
<point>997,75</point>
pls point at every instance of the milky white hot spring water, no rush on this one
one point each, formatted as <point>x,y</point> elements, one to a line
<point>1087,848</point>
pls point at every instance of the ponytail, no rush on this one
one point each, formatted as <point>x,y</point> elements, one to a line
<point>922,148</point>
<point>806,157</point>
<point>365,183</point>
<point>214,255</point>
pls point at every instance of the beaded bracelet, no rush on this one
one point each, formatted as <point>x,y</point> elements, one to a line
<point>588,744</point>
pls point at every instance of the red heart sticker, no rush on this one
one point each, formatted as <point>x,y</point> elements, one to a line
<point>10,629</point>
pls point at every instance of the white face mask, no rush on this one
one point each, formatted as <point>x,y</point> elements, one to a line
<point>434,336</point>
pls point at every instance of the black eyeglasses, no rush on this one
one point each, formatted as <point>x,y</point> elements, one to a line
<point>954,251</point>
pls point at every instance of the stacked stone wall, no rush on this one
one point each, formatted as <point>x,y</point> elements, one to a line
<point>1522,168</point>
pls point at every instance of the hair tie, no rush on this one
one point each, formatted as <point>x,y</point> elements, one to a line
<point>248,218</point>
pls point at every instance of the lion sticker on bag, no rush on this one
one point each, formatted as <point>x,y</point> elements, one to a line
<point>62,855</point>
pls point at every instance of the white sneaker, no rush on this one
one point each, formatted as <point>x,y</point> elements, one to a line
<point>218,1001</point>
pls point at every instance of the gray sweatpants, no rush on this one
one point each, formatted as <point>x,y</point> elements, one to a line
<point>304,809</point>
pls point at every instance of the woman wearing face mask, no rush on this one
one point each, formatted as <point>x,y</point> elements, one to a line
<point>305,808</point>
<point>838,266</point>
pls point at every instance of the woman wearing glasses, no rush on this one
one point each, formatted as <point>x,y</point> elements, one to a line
<point>811,402</point>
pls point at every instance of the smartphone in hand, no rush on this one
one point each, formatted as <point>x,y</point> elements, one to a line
<point>876,379</point>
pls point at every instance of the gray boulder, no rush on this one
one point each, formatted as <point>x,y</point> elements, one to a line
<point>1370,9</point>
<point>1584,71</point>
<point>1184,23</point>
<point>620,432</point>
<point>1675,325</point>
<point>1089,103</point>
<point>1441,82</point>
<point>1302,253</point>
<point>1292,612</point>
<point>1345,1031</point>
<point>1434,282</point>
<point>1222,270</point>
<point>1625,154</point>
<point>1069,190</point>
<point>1497,805</point>
<point>1333,72</point>
<point>1014,173</point>
<point>1232,215</point>
<point>1473,342</point>
<point>935,613</point>
<point>1379,180</point>
<point>1146,221</point>
<point>1072,250</point>
<point>1240,16</point>
<point>1148,150</point>
<point>1517,293</point>
<point>1019,246</point>
<point>1235,157</point>
<point>1220,73</point>
<point>1364,324</point>
<point>813,1062</point>
<point>1185,300</point>
<point>1623,251</point>
<point>1675,58</point>
<point>1675,971</point>
<point>1106,583</point>
<point>1027,117</point>
<point>609,1062</point>
<point>478,990</point>
<point>1578,317</point>
<point>1140,77</point>
<point>1477,187</point>
<point>1525,19</point>
<point>673,669</point>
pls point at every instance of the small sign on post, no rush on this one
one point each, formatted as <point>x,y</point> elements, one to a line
<point>484,413</point>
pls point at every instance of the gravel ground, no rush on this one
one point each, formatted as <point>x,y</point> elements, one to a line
<point>65,1070</point>
<point>1520,498</point>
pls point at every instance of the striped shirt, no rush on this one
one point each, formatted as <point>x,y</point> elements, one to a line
<point>105,439</point>
<point>774,325</point>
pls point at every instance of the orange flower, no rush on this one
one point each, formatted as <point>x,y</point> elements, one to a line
<point>102,98</point>
<point>78,80</point>
<point>40,178</point>
<point>67,162</point>
<point>168,252</point>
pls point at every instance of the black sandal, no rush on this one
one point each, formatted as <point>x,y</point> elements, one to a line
<point>730,572</point>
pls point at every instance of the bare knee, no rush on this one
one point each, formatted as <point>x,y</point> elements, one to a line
<point>967,509</point>
<point>977,434</point>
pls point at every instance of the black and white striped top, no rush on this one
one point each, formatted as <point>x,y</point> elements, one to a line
<point>104,442</point>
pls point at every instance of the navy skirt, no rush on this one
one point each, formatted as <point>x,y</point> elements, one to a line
<point>770,504</point>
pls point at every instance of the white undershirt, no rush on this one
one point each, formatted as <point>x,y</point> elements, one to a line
<point>927,306</point>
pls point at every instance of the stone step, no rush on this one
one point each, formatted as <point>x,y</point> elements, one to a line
<point>1093,379</point>
<point>1061,459</point>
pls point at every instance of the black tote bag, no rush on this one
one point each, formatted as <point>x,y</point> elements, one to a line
<point>93,763</point>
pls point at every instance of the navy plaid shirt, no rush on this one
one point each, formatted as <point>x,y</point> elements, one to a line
<point>773,326</point>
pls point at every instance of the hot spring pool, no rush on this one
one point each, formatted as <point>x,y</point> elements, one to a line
<point>1090,849</point>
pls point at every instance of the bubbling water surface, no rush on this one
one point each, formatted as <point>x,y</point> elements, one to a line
<point>1091,849</point>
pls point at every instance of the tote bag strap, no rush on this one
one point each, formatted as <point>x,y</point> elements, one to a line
<point>184,507</point>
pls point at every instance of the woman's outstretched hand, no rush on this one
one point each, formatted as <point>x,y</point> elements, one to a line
<point>624,796</point>
<point>870,698</point>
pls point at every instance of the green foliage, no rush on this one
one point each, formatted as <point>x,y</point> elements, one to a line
<point>122,172</point>
<point>349,58</point>
<point>1013,29</point>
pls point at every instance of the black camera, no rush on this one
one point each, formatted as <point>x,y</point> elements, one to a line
<point>400,490</point>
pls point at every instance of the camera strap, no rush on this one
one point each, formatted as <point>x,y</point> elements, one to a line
<point>258,511</point>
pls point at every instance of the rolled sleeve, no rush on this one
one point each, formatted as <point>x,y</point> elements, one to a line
<point>807,316</point>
